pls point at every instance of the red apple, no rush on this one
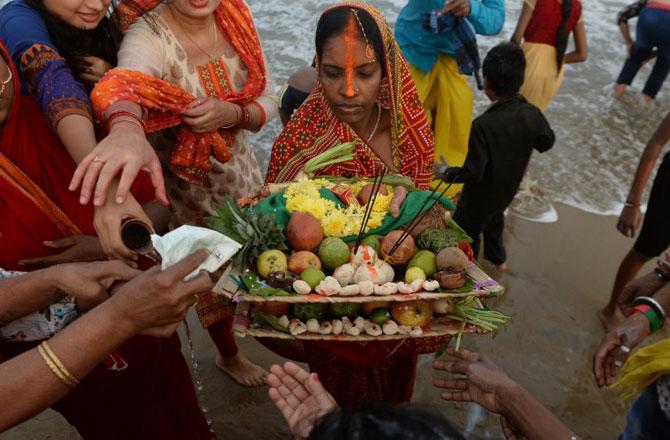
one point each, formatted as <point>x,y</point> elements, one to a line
<point>412,313</point>
<point>300,261</point>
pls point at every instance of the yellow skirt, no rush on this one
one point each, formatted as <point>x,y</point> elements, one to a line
<point>448,102</point>
<point>542,82</point>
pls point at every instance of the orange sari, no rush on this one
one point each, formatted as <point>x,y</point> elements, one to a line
<point>166,102</point>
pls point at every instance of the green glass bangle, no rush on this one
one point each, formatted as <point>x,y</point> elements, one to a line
<point>654,322</point>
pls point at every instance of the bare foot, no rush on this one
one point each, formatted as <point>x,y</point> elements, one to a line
<point>501,267</point>
<point>242,370</point>
<point>646,98</point>
<point>619,90</point>
<point>611,318</point>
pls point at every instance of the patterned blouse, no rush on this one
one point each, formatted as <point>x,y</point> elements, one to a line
<point>44,72</point>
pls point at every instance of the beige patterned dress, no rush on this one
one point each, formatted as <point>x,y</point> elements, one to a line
<point>151,47</point>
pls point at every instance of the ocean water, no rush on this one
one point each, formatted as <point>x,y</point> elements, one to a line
<point>599,139</point>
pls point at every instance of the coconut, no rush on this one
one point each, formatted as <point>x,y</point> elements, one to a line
<point>304,232</point>
<point>452,260</point>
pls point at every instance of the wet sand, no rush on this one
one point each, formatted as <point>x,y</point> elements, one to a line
<point>560,274</point>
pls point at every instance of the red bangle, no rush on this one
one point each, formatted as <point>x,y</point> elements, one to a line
<point>133,117</point>
<point>640,308</point>
<point>246,118</point>
<point>262,111</point>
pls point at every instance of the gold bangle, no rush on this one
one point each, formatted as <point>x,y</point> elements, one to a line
<point>58,363</point>
<point>237,116</point>
<point>54,369</point>
<point>56,366</point>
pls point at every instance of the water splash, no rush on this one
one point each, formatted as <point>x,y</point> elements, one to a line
<point>197,377</point>
<point>475,415</point>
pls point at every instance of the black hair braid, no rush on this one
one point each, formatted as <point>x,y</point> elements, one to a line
<point>73,43</point>
<point>563,34</point>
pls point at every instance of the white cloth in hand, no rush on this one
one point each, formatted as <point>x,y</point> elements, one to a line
<point>185,240</point>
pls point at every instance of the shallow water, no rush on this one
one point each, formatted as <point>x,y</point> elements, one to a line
<point>599,139</point>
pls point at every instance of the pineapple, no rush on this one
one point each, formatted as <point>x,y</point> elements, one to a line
<point>256,233</point>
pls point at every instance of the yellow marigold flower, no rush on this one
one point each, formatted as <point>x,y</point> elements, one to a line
<point>304,196</point>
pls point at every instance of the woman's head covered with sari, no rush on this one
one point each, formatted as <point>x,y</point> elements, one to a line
<point>325,119</point>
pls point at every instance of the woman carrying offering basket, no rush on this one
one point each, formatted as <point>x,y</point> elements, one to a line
<point>366,115</point>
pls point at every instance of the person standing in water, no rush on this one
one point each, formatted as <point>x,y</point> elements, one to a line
<point>545,27</point>
<point>443,90</point>
<point>654,236</point>
<point>653,31</point>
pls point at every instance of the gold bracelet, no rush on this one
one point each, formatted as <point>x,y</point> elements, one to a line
<point>54,369</point>
<point>56,366</point>
<point>237,116</point>
<point>58,363</point>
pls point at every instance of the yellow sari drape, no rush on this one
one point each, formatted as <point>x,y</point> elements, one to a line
<point>643,368</point>
<point>449,104</point>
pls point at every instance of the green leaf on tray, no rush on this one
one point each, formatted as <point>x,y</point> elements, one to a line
<point>270,291</point>
<point>261,318</point>
<point>467,287</point>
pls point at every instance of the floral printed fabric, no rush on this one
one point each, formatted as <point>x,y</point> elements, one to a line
<point>42,324</point>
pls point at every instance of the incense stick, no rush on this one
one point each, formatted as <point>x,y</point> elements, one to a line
<point>376,186</point>
<point>414,223</point>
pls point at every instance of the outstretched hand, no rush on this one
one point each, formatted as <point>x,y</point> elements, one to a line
<point>300,397</point>
<point>88,283</point>
<point>125,152</point>
<point>483,382</point>
<point>155,302</point>
<point>616,346</point>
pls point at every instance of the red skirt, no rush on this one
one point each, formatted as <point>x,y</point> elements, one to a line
<point>145,393</point>
<point>356,372</point>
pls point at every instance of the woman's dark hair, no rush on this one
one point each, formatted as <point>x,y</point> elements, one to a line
<point>563,33</point>
<point>382,421</point>
<point>333,23</point>
<point>73,43</point>
<point>504,68</point>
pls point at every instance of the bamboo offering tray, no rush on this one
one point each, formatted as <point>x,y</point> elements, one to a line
<point>438,328</point>
<point>476,276</point>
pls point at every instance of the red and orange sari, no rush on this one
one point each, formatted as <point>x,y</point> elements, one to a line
<point>358,372</point>
<point>314,128</point>
<point>148,392</point>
